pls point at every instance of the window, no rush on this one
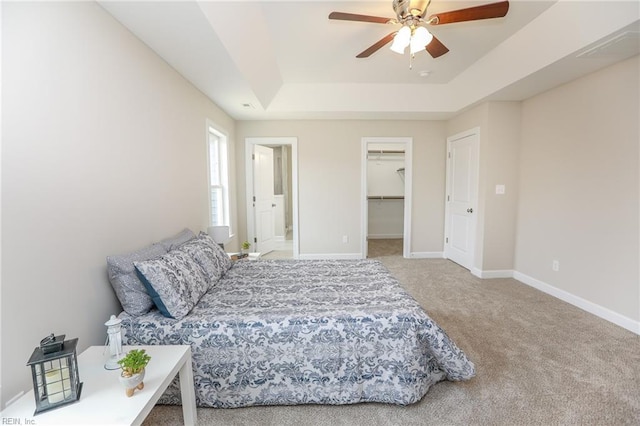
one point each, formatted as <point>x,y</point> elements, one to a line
<point>218,178</point>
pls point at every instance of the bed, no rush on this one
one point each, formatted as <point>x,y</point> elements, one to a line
<point>283,332</point>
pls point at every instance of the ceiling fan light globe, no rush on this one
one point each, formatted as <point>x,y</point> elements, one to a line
<point>404,35</point>
<point>421,37</point>
<point>401,40</point>
<point>416,46</point>
<point>396,47</point>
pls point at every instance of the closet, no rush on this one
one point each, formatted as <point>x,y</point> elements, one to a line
<point>385,196</point>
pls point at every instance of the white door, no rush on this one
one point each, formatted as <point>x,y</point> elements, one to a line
<point>462,196</point>
<point>264,199</point>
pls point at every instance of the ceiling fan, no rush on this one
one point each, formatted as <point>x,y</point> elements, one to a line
<point>413,32</point>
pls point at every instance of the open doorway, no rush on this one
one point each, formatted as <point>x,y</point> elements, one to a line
<point>272,196</point>
<point>386,196</point>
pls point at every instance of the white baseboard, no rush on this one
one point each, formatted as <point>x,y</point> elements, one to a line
<point>14,399</point>
<point>330,256</point>
<point>597,310</point>
<point>498,273</point>
<point>426,255</point>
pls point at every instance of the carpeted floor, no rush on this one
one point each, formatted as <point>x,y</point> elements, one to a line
<point>539,361</point>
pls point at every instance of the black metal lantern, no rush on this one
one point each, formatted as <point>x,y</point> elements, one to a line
<point>54,369</point>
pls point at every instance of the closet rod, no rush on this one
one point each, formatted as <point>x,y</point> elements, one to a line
<point>385,197</point>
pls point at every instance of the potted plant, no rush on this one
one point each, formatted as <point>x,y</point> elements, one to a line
<point>133,365</point>
<point>245,247</point>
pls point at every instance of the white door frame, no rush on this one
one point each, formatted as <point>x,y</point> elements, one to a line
<point>451,139</point>
<point>248,150</point>
<point>407,142</point>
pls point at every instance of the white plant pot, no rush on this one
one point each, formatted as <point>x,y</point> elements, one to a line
<point>132,383</point>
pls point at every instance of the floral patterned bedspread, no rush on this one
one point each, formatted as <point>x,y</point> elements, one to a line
<point>281,332</point>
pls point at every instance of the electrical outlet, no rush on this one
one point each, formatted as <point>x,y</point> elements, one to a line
<point>555,265</point>
<point>345,238</point>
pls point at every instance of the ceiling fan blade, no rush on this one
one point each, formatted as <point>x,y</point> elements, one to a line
<point>360,18</point>
<point>375,47</point>
<point>487,11</point>
<point>436,48</point>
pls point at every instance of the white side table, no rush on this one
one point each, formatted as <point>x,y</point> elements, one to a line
<point>103,400</point>
<point>254,255</point>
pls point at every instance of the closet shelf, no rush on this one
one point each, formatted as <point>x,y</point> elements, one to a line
<point>384,151</point>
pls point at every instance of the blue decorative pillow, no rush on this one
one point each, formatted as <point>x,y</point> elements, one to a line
<point>155,297</point>
<point>175,282</point>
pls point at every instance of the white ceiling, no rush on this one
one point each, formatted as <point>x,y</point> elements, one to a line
<point>287,60</point>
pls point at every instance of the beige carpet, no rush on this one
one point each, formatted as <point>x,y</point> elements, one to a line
<point>539,361</point>
<point>384,247</point>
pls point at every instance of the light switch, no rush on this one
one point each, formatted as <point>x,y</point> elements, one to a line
<point>500,189</point>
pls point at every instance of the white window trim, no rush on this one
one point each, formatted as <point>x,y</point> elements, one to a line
<point>213,129</point>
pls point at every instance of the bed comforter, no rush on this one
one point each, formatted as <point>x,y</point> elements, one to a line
<point>281,332</point>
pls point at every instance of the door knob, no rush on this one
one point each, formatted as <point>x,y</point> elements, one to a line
<point>470,210</point>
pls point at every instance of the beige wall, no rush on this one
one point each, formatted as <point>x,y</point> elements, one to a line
<point>501,169</point>
<point>499,126</point>
<point>579,190</point>
<point>570,161</point>
<point>103,151</point>
<point>329,170</point>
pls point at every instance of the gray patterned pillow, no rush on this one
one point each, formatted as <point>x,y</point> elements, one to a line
<point>177,240</point>
<point>213,260</point>
<point>221,255</point>
<point>175,282</point>
<point>122,274</point>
